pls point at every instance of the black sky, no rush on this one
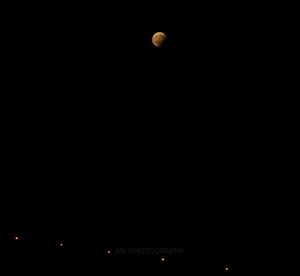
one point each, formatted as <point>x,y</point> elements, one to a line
<point>110,137</point>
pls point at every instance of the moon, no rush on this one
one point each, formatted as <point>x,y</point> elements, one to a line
<point>158,39</point>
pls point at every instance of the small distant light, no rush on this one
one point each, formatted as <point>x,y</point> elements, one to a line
<point>16,238</point>
<point>162,259</point>
<point>108,252</point>
<point>61,244</point>
<point>226,268</point>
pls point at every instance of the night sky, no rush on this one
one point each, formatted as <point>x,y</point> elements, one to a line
<point>114,147</point>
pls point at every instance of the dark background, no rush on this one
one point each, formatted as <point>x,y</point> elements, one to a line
<point>111,142</point>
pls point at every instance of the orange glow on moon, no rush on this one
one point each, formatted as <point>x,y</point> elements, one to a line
<point>158,39</point>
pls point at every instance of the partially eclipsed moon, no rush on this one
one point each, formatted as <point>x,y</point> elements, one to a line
<point>158,39</point>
